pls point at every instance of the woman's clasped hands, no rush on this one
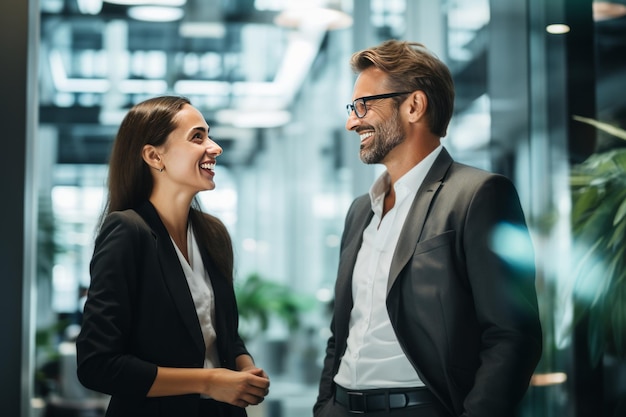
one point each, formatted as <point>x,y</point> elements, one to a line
<point>242,388</point>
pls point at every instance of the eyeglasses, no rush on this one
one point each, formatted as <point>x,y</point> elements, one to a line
<point>359,107</point>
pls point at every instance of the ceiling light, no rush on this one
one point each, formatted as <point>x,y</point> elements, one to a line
<point>202,30</point>
<point>51,6</point>
<point>155,13</point>
<point>253,118</point>
<point>557,29</point>
<point>172,3</point>
<point>92,7</point>
<point>126,2</point>
<point>192,87</point>
<point>329,18</point>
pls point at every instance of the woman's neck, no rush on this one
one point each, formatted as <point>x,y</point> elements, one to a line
<point>174,214</point>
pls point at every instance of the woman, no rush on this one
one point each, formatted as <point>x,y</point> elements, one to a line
<point>159,332</point>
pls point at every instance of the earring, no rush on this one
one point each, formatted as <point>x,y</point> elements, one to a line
<point>161,170</point>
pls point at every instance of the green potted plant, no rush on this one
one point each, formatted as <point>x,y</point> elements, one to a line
<point>599,235</point>
<point>259,299</point>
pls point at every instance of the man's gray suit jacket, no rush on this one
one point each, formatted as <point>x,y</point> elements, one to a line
<point>461,291</point>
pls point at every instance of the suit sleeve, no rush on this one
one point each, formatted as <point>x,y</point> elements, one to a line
<point>104,363</point>
<point>501,272</point>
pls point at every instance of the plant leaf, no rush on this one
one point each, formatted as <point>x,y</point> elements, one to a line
<point>618,316</point>
<point>598,220</point>
<point>621,212</point>
<point>597,335</point>
<point>610,129</point>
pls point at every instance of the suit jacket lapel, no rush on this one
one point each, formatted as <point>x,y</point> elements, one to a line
<point>359,216</point>
<point>173,274</point>
<point>420,208</point>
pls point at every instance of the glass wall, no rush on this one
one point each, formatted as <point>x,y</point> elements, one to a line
<point>272,79</point>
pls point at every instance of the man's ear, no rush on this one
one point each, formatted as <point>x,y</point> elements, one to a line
<point>152,157</point>
<point>417,106</point>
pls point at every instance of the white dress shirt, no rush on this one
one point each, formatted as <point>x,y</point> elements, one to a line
<point>202,293</point>
<point>373,357</point>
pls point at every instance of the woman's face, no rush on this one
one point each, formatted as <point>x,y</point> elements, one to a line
<point>188,155</point>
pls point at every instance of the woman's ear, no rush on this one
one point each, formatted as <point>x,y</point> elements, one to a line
<point>152,157</point>
<point>417,106</point>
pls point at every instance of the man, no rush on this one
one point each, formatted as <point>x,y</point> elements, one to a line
<point>428,319</point>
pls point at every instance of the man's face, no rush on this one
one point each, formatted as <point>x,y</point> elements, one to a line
<point>380,130</point>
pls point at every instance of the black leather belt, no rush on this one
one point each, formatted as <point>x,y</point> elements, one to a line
<point>382,399</point>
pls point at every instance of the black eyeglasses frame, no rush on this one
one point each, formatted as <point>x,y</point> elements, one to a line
<point>351,107</point>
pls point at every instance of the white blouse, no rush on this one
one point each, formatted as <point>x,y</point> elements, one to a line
<point>203,298</point>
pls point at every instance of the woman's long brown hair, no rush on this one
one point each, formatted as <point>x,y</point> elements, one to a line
<point>130,180</point>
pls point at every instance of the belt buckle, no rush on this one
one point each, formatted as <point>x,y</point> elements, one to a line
<point>357,403</point>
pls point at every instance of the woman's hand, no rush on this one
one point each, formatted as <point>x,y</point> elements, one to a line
<point>255,371</point>
<point>247,386</point>
<point>240,388</point>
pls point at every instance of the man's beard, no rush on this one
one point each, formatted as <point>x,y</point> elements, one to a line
<point>387,136</point>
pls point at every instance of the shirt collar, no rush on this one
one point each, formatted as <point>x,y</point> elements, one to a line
<point>408,184</point>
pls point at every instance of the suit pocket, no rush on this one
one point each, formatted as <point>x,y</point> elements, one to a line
<point>435,275</point>
<point>443,239</point>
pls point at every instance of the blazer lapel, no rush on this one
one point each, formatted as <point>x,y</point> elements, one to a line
<point>173,274</point>
<point>420,208</point>
<point>359,216</point>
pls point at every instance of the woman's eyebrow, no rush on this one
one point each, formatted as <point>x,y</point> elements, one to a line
<point>201,129</point>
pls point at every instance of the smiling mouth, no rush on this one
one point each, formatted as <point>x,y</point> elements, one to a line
<point>208,165</point>
<point>365,135</point>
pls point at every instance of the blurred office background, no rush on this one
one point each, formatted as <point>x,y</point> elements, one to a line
<point>272,79</point>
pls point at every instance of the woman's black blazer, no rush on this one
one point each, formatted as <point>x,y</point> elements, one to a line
<point>140,314</point>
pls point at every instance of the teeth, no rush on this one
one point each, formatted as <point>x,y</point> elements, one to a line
<point>208,165</point>
<point>366,135</point>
